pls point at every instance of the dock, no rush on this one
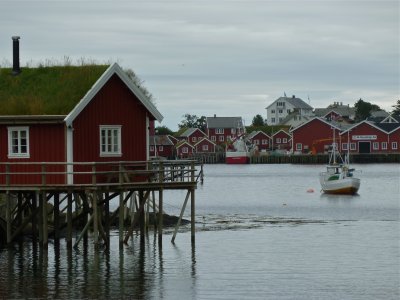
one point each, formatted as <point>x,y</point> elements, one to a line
<point>45,198</point>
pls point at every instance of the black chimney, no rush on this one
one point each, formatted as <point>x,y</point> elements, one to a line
<point>16,69</point>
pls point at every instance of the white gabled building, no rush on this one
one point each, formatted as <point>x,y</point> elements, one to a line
<point>278,110</point>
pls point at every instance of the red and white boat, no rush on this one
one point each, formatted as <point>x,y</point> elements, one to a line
<point>238,152</point>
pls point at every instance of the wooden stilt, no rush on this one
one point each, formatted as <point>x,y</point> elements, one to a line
<point>180,216</point>
<point>95,220</point>
<point>20,209</point>
<point>40,219</point>
<point>192,215</point>
<point>34,223</point>
<point>121,219</point>
<point>160,216</point>
<point>82,234</point>
<point>142,203</point>
<point>44,215</point>
<point>56,212</point>
<point>8,218</point>
<point>107,219</point>
<point>69,220</point>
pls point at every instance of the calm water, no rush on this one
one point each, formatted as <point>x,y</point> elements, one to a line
<point>260,235</point>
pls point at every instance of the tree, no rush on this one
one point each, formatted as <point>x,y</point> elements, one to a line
<point>364,109</point>
<point>396,108</point>
<point>162,130</point>
<point>258,121</point>
<point>193,121</point>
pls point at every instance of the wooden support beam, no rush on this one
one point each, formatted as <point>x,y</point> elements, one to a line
<point>180,216</point>
<point>82,234</point>
<point>34,217</point>
<point>69,220</point>
<point>56,212</point>
<point>121,219</point>
<point>160,216</point>
<point>140,211</point>
<point>44,222</point>
<point>95,220</point>
<point>40,219</point>
<point>8,218</point>
<point>192,215</point>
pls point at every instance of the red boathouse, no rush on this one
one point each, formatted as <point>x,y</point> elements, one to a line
<point>73,114</point>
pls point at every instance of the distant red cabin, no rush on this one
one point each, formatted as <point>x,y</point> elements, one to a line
<point>261,140</point>
<point>281,140</point>
<point>184,149</point>
<point>204,145</point>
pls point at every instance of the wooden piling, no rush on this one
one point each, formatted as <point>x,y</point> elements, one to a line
<point>69,219</point>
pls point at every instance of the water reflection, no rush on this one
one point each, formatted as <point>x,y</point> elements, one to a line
<point>137,271</point>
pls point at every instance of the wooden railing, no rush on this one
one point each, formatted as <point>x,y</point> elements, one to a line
<point>96,173</point>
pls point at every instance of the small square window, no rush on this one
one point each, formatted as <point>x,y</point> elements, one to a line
<point>18,142</point>
<point>110,141</point>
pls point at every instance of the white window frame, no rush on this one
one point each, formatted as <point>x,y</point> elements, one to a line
<point>185,149</point>
<point>284,140</point>
<point>394,145</point>
<point>160,148</point>
<point>375,145</point>
<point>152,148</point>
<point>344,146</point>
<point>194,139</point>
<point>299,146</point>
<point>256,142</point>
<point>264,142</point>
<point>233,131</point>
<point>18,153</point>
<point>213,138</point>
<point>272,120</point>
<point>221,138</point>
<point>353,146</point>
<point>114,152</point>
<point>219,130</point>
<point>278,140</point>
<point>204,147</point>
<point>384,145</point>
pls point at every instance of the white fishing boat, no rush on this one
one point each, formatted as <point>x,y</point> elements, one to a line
<point>338,177</point>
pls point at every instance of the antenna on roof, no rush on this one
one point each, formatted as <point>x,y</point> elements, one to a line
<point>308,96</point>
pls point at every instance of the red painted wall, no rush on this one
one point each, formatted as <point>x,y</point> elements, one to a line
<point>311,132</point>
<point>114,104</point>
<point>46,144</point>
<point>281,145</point>
<point>260,137</point>
<point>366,129</point>
<point>199,146</point>
<point>197,135</point>
<point>394,137</point>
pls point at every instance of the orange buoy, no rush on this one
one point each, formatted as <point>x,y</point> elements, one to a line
<point>310,191</point>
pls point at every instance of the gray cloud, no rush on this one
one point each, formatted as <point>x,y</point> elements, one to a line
<point>224,57</point>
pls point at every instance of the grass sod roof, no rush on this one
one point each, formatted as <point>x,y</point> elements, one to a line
<point>51,90</point>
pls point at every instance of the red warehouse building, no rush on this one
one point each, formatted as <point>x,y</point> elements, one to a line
<point>315,136</point>
<point>224,129</point>
<point>162,146</point>
<point>184,149</point>
<point>368,137</point>
<point>74,114</point>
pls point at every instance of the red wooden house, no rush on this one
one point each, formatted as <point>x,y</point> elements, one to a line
<point>314,136</point>
<point>162,146</point>
<point>261,140</point>
<point>224,129</point>
<point>74,114</point>
<point>281,140</point>
<point>204,145</point>
<point>184,149</point>
<point>192,135</point>
<point>367,137</point>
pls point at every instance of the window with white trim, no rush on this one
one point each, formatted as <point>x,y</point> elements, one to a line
<point>353,146</point>
<point>221,138</point>
<point>185,150</point>
<point>264,142</point>
<point>384,145</point>
<point>110,140</point>
<point>284,140</point>
<point>278,140</point>
<point>233,131</point>
<point>375,146</point>
<point>256,142</point>
<point>194,140</point>
<point>18,142</point>
<point>344,146</point>
<point>161,148</point>
<point>219,131</point>
<point>151,148</point>
<point>299,146</point>
<point>204,147</point>
<point>394,145</point>
<point>213,138</point>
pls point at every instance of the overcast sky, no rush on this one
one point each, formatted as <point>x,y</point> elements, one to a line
<point>223,57</point>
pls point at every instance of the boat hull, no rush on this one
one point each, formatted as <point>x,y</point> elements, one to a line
<point>237,158</point>
<point>345,186</point>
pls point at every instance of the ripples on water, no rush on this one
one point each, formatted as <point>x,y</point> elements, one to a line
<point>260,235</point>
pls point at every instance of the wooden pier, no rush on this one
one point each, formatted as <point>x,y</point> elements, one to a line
<point>36,202</point>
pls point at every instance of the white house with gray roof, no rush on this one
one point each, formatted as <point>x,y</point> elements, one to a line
<point>278,110</point>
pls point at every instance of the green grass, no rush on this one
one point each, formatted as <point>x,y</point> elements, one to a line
<point>46,90</point>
